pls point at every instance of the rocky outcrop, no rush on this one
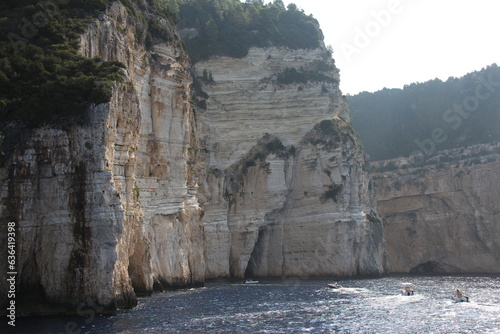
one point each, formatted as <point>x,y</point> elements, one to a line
<point>286,192</point>
<point>442,217</point>
<point>108,209</point>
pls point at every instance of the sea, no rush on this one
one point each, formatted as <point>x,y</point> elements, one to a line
<point>299,306</point>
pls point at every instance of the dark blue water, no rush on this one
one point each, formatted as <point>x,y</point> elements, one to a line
<point>360,306</point>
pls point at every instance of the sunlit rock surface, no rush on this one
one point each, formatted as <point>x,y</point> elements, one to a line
<point>286,191</point>
<point>442,216</point>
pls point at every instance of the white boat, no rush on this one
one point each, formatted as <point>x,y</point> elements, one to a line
<point>407,289</point>
<point>334,285</point>
<point>251,281</point>
<point>459,296</point>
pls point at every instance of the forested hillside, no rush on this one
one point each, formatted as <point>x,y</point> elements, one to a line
<point>431,116</point>
<point>230,27</point>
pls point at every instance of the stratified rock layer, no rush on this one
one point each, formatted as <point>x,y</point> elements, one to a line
<point>286,191</point>
<point>442,217</point>
<point>108,209</point>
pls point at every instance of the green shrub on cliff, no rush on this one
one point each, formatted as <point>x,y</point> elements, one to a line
<point>39,85</point>
<point>333,192</point>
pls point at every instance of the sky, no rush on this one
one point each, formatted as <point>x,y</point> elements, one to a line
<point>391,43</point>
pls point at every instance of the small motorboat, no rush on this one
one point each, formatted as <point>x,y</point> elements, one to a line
<point>459,296</point>
<point>334,285</point>
<point>407,289</point>
<point>251,281</point>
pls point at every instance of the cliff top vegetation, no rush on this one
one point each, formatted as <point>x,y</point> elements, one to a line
<point>43,78</point>
<point>230,27</point>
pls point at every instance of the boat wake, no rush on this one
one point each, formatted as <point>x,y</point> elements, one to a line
<point>354,290</point>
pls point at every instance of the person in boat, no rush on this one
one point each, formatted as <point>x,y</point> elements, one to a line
<point>407,289</point>
<point>458,294</point>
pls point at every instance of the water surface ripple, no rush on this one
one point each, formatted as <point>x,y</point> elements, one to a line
<point>360,306</point>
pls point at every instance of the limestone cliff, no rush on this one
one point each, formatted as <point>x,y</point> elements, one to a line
<point>286,192</point>
<point>107,210</point>
<point>442,217</point>
<point>110,208</point>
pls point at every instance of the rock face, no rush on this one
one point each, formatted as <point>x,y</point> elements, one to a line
<point>108,210</point>
<point>286,192</point>
<point>442,217</point>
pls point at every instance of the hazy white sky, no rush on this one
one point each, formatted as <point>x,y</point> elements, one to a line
<point>390,43</point>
